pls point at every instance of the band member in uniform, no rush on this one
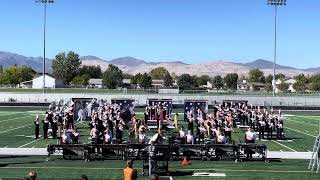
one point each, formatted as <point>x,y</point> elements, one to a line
<point>250,136</point>
<point>262,125</point>
<point>190,123</point>
<point>270,125</point>
<point>45,123</point>
<point>176,120</point>
<point>228,127</point>
<point>54,127</point>
<point>280,126</point>
<point>36,127</point>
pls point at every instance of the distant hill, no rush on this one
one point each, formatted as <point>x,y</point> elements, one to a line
<point>264,64</point>
<point>8,59</point>
<point>128,61</point>
<point>133,65</point>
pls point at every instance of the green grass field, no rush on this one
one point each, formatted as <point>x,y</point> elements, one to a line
<point>17,130</point>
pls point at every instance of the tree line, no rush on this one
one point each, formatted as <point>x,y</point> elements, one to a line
<point>68,68</point>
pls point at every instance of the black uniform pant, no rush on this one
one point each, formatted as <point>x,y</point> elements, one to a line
<point>36,129</point>
<point>279,133</point>
<point>269,133</point>
<point>228,135</point>
<point>45,132</point>
<point>261,132</point>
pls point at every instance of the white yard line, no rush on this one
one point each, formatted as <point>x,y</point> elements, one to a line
<point>7,114</point>
<point>284,146</point>
<point>302,122</point>
<point>16,118</point>
<point>310,117</point>
<point>29,143</point>
<point>300,132</point>
<point>15,128</point>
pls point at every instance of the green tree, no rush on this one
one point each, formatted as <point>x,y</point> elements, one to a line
<point>255,75</point>
<point>315,83</point>
<point>217,82</point>
<point>158,73</point>
<point>184,81</point>
<point>231,81</point>
<point>81,80</point>
<point>280,76</point>
<point>127,76</point>
<point>202,80</point>
<point>66,67</point>
<point>269,79</point>
<point>112,77</point>
<point>14,75</point>
<point>167,80</point>
<point>145,80</point>
<point>91,71</point>
<point>268,82</point>
<point>301,83</point>
<point>1,68</point>
<point>283,86</point>
<point>135,78</point>
<point>194,81</point>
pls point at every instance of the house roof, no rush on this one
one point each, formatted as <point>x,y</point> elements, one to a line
<point>126,81</point>
<point>95,81</point>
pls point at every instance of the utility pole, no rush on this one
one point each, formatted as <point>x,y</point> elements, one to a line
<point>44,39</point>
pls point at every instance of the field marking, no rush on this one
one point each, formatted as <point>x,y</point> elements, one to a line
<point>11,113</point>
<point>310,117</point>
<point>15,128</point>
<point>300,132</point>
<point>29,143</point>
<point>302,122</point>
<point>193,169</point>
<point>15,118</point>
<point>284,146</point>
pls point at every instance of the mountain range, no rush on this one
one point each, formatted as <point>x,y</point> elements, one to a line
<point>133,65</point>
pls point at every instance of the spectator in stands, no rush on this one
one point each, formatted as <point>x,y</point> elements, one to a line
<point>129,173</point>
<point>153,177</point>
<point>83,177</point>
<point>36,128</point>
<point>31,176</point>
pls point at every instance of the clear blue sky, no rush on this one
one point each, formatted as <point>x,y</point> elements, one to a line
<point>188,30</point>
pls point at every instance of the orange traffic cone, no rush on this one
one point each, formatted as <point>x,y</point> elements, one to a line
<point>185,162</point>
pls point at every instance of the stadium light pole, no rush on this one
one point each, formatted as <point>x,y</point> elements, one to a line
<point>275,3</point>
<point>44,38</point>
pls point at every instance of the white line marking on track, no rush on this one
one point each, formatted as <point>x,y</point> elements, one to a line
<point>284,146</point>
<point>15,128</point>
<point>300,132</point>
<point>29,143</point>
<point>15,118</point>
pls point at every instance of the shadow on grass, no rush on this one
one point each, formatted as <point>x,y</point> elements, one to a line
<point>13,158</point>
